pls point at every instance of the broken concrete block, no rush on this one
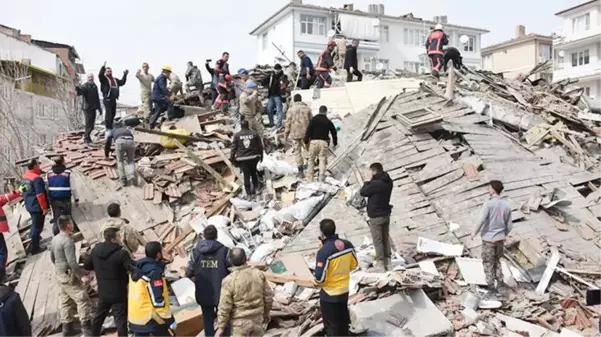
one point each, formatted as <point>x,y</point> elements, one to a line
<point>470,315</point>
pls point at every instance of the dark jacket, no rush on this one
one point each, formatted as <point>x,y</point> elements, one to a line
<point>59,183</point>
<point>89,92</point>
<point>276,83</point>
<point>350,59</point>
<point>306,63</point>
<point>222,68</point>
<point>108,91</point>
<point>325,61</point>
<point>246,145</point>
<point>14,317</point>
<point>160,91</point>
<point>436,40</point>
<point>319,128</point>
<point>36,199</point>
<point>378,191</point>
<point>111,263</point>
<point>208,265</point>
<point>453,54</point>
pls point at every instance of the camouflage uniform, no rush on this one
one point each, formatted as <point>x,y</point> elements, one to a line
<point>129,236</point>
<point>491,259</point>
<point>73,298</point>
<point>318,149</point>
<point>299,116</point>
<point>249,104</point>
<point>245,301</point>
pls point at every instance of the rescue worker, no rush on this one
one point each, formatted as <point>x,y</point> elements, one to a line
<point>61,188</point>
<point>148,309</point>
<point>247,152</point>
<point>128,236</point>
<point>125,151</point>
<point>246,299</point>
<point>208,266</point>
<point>161,97</point>
<point>14,318</point>
<point>334,263</point>
<point>306,70</point>
<point>146,79</point>
<point>224,91</point>
<point>318,138</point>
<point>36,202</point>
<point>70,278</point>
<point>243,75</point>
<point>213,81</point>
<point>175,85</point>
<point>351,62</point>
<point>111,263</point>
<point>434,47</point>
<point>324,64</point>
<point>109,86</point>
<point>249,108</point>
<point>276,83</point>
<point>378,191</point>
<point>299,117</point>
<point>193,77</point>
<point>90,104</point>
<point>4,227</point>
<point>222,66</point>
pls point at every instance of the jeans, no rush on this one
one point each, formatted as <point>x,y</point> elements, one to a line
<point>251,178</point>
<point>275,102</point>
<point>110,109</point>
<point>160,106</point>
<point>119,314</point>
<point>3,251</point>
<point>336,318</point>
<point>380,234</point>
<point>59,207</point>
<point>305,82</point>
<point>209,314</point>
<point>90,118</point>
<point>125,152</point>
<point>37,225</point>
<point>349,75</point>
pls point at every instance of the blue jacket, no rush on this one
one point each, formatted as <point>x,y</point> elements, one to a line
<point>208,265</point>
<point>306,63</point>
<point>160,90</point>
<point>334,263</point>
<point>154,271</point>
<point>59,183</point>
<point>35,192</point>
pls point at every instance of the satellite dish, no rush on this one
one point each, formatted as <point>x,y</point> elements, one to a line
<point>561,53</point>
<point>331,33</point>
<point>464,39</point>
<point>379,66</point>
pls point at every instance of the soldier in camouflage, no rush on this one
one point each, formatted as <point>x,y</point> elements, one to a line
<point>245,300</point>
<point>249,107</point>
<point>297,122</point>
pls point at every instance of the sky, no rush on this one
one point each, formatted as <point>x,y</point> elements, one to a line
<point>126,33</point>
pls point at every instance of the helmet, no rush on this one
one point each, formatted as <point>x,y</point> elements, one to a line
<point>332,44</point>
<point>242,71</point>
<point>167,68</point>
<point>438,26</point>
<point>251,85</point>
<point>228,77</point>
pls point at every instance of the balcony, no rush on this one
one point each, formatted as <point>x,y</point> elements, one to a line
<point>577,40</point>
<point>581,72</point>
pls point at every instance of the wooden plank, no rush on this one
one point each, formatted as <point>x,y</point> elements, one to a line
<point>32,288</point>
<point>546,278</point>
<point>414,158</point>
<point>281,279</point>
<point>430,173</point>
<point>442,181</point>
<point>229,164</point>
<point>205,166</point>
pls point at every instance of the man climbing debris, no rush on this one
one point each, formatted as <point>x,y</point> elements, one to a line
<point>325,63</point>
<point>318,138</point>
<point>299,117</point>
<point>434,47</point>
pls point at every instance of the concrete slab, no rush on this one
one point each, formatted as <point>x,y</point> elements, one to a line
<point>423,318</point>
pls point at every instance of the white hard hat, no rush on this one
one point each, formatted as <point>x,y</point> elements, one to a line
<point>438,26</point>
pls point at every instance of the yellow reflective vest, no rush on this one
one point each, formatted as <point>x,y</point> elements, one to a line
<point>146,308</point>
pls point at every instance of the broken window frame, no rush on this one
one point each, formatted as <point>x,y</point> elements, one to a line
<point>316,22</point>
<point>470,46</point>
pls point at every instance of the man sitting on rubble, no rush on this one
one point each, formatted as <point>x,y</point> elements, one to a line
<point>334,262</point>
<point>128,236</point>
<point>494,227</point>
<point>299,117</point>
<point>208,266</point>
<point>246,299</point>
<point>249,108</point>
<point>161,97</point>
<point>247,152</point>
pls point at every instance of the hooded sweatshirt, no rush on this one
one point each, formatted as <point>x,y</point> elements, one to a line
<point>14,317</point>
<point>378,191</point>
<point>208,266</point>
<point>110,262</point>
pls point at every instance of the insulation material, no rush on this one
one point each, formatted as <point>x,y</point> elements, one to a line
<point>425,245</point>
<point>471,270</point>
<point>359,27</point>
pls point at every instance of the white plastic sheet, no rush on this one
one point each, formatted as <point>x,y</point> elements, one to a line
<point>219,221</point>
<point>262,252</point>
<point>242,205</point>
<point>276,166</point>
<point>298,211</point>
<point>359,27</point>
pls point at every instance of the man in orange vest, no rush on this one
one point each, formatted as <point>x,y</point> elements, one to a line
<point>36,202</point>
<point>4,199</point>
<point>434,44</point>
<point>324,64</point>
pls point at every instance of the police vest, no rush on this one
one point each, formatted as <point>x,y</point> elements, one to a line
<point>59,185</point>
<point>142,309</point>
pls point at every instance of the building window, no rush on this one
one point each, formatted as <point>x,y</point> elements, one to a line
<point>544,52</point>
<point>265,40</point>
<point>367,62</point>
<point>53,113</point>
<point>384,34</point>
<point>580,58</point>
<point>313,25</point>
<point>39,110</point>
<point>411,66</point>
<point>371,64</point>
<point>471,44</point>
<point>581,23</point>
<point>414,37</point>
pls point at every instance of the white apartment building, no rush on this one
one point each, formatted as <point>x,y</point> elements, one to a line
<point>395,42</point>
<point>577,48</point>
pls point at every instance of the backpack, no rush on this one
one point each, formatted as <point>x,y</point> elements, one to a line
<point>8,319</point>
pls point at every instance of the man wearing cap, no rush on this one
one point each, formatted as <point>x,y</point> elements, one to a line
<point>249,107</point>
<point>306,70</point>
<point>161,97</point>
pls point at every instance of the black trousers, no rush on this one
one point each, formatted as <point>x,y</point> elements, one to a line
<point>119,310</point>
<point>110,110</point>
<point>59,207</point>
<point>249,171</point>
<point>336,318</point>
<point>89,118</point>
<point>349,75</point>
<point>305,83</point>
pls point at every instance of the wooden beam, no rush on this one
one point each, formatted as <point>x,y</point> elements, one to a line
<point>281,278</point>
<point>205,166</point>
<point>229,164</point>
<point>174,135</point>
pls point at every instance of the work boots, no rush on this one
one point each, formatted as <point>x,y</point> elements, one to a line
<point>86,328</point>
<point>300,174</point>
<point>68,329</point>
